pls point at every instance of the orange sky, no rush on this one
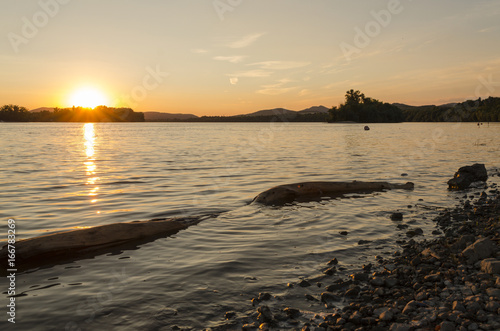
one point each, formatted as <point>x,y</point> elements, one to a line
<point>221,57</point>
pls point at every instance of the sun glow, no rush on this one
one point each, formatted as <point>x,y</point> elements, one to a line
<point>88,98</point>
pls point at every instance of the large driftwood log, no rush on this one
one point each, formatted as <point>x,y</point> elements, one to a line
<point>72,244</point>
<point>311,190</point>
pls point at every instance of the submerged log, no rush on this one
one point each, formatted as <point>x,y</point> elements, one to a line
<point>74,244</point>
<point>312,190</point>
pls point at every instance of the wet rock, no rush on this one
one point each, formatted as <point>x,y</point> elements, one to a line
<point>333,261</point>
<point>265,315</point>
<point>360,276</point>
<point>352,292</point>
<point>292,312</point>
<point>264,296</point>
<point>264,327</point>
<point>330,271</point>
<point>250,327</point>
<point>310,297</point>
<point>344,233</point>
<point>468,175</point>
<point>229,314</point>
<point>397,216</point>
<point>327,297</point>
<point>414,232</point>
<point>481,249</point>
<point>491,266</point>
<point>304,283</point>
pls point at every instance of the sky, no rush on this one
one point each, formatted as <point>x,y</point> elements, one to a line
<point>227,57</point>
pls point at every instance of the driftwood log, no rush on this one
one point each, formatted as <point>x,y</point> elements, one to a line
<point>78,243</point>
<point>312,190</point>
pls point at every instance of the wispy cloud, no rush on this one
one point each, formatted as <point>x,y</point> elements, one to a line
<point>280,65</point>
<point>277,88</point>
<point>233,80</point>
<point>246,41</point>
<point>251,73</point>
<point>232,59</point>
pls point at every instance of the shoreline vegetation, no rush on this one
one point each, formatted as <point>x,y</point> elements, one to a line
<point>356,109</point>
<point>450,282</point>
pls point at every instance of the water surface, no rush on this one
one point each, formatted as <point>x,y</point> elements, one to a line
<point>58,176</point>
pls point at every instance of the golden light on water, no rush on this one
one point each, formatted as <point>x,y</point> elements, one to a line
<point>89,139</point>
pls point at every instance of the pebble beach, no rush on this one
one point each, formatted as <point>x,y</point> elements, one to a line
<point>449,282</point>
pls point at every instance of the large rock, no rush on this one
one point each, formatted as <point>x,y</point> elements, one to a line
<point>481,249</point>
<point>468,175</point>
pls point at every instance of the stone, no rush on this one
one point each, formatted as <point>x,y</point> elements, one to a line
<point>333,261</point>
<point>304,283</point>
<point>397,216</point>
<point>490,266</point>
<point>386,316</point>
<point>493,292</point>
<point>479,250</point>
<point>468,175</point>
<point>265,314</point>
<point>458,306</point>
<point>377,281</point>
<point>391,282</point>
<point>400,327</point>
<point>292,312</point>
<point>447,326</point>
<point>353,292</point>
<point>264,296</point>
<point>327,297</point>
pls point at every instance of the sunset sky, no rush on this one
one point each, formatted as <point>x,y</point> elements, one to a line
<point>226,57</point>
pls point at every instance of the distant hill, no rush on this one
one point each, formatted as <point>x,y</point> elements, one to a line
<point>315,109</point>
<point>287,112</point>
<point>37,110</point>
<point>157,116</point>
<point>402,106</point>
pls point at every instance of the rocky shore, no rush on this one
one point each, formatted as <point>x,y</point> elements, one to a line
<point>451,282</point>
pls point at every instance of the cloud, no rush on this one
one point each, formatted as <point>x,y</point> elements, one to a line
<point>232,59</point>
<point>304,92</point>
<point>233,80</point>
<point>277,88</point>
<point>246,41</point>
<point>252,73</point>
<point>280,65</point>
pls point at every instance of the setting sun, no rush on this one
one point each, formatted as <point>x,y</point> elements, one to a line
<point>88,98</point>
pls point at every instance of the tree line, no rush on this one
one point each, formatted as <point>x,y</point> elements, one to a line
<point>15,113</point>
<point>356,108</point>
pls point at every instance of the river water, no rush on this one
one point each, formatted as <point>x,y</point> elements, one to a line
<point>61,176</point>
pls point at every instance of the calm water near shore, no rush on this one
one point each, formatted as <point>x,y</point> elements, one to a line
<point>58,176</point>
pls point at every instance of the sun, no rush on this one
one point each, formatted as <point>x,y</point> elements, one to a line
<point>88,97</point>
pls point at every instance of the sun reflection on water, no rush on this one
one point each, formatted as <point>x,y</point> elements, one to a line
<point>90,166</point>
